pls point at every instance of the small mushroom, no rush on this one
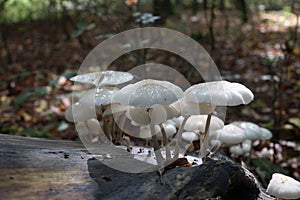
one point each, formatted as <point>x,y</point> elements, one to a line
<point>284,187</point>
<point>103,78</point>
<point>197,123</point>
<point>231,135</point>
<point>79,112</point>
<point>252,131</point>
<point>177,121</point>
<point>265,134</point>
<point>236,150</point>
<point>94,126</point>
<point>98,96</point>
<point>190,136</point>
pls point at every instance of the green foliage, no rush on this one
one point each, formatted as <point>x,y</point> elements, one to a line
<point>36,133</point>
<point>25,95</point>
<point>19,10</point>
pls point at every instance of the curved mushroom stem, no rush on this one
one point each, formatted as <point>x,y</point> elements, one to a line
<point>179,137</point>
<point>205,142</point>
<point>155,144</point>
<point>165,142</point>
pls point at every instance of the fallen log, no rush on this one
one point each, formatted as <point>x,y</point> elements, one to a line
<point>55,169</point>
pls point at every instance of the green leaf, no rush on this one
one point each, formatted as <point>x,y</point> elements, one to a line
<point>91,26</point>
<point>40,92</point>
<point>77,33</point>
<point>53,81</point>
<point>33,132</point>
<point>267,166</point>
<point>81,25</point>
<point>21,98</point>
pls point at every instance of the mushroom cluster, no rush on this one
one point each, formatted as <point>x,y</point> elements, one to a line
<point>238,136</point>
<point>83,114</point>
<point>162,114</point>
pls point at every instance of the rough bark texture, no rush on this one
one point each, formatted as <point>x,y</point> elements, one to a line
<point>51,169</point>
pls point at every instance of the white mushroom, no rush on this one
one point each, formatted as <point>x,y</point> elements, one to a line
<point>152,96</point>
<point>265,134</point>
<point>252,131</point>
<point>177,121</point>
<point>147,93</point>
<point>285,187</point>
<point>139,116</point>
<point>220,93</point>
<point>197,123</point>
<point>231,135</point>
<point>246,145</point>
<point>98,96</point>
<point>94,126</point>
<point>170,130</point>
<point>195,108</point>
<point>216,93</point>
<point>79,112</point>
<point>190,136</point>
<point>103,78</point>
<point>236,150</point>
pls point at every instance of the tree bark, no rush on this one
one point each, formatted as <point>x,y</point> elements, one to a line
<point>55,169</point>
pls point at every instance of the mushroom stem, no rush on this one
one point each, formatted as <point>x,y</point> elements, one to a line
<point>155,144</point>
<point>121,127</point>
<point>165,142</point>
<point>105,125</point>
<point>179,137</point>
<point>205,142</point>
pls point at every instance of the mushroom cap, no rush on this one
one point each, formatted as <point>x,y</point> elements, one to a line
<point>82,128</point>
<point>252,131</point>
<point>246,145</point>
<point>190,136</point>
<point>198,122</point>
<point>147,93</point>
<point>177,121</point>
<point>231,135</point>
<point>98,96</point>
<point>79,112</point>
<point>236,150</point>
<point>285,187</point>
<point>103,78</point>
<point>192,108</point>
<point>140,116</point>
<point>158,114</point>
<point>144,116</point>
<point>219,93</point>
<point>170,130</point>
<point>173,110</point>
<point>265,134</point>
<point>115,108</point>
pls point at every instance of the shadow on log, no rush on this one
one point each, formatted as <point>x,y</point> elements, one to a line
<point>54,169</point>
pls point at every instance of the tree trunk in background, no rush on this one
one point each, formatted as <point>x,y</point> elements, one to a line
<point>195,6</point>
<point>163,8</point>
<point>3,32</point>
<point>242,7</point>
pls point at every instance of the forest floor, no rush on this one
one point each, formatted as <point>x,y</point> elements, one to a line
<point>39,57</point>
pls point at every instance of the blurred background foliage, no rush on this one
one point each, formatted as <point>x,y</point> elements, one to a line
<point>253,42</point>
